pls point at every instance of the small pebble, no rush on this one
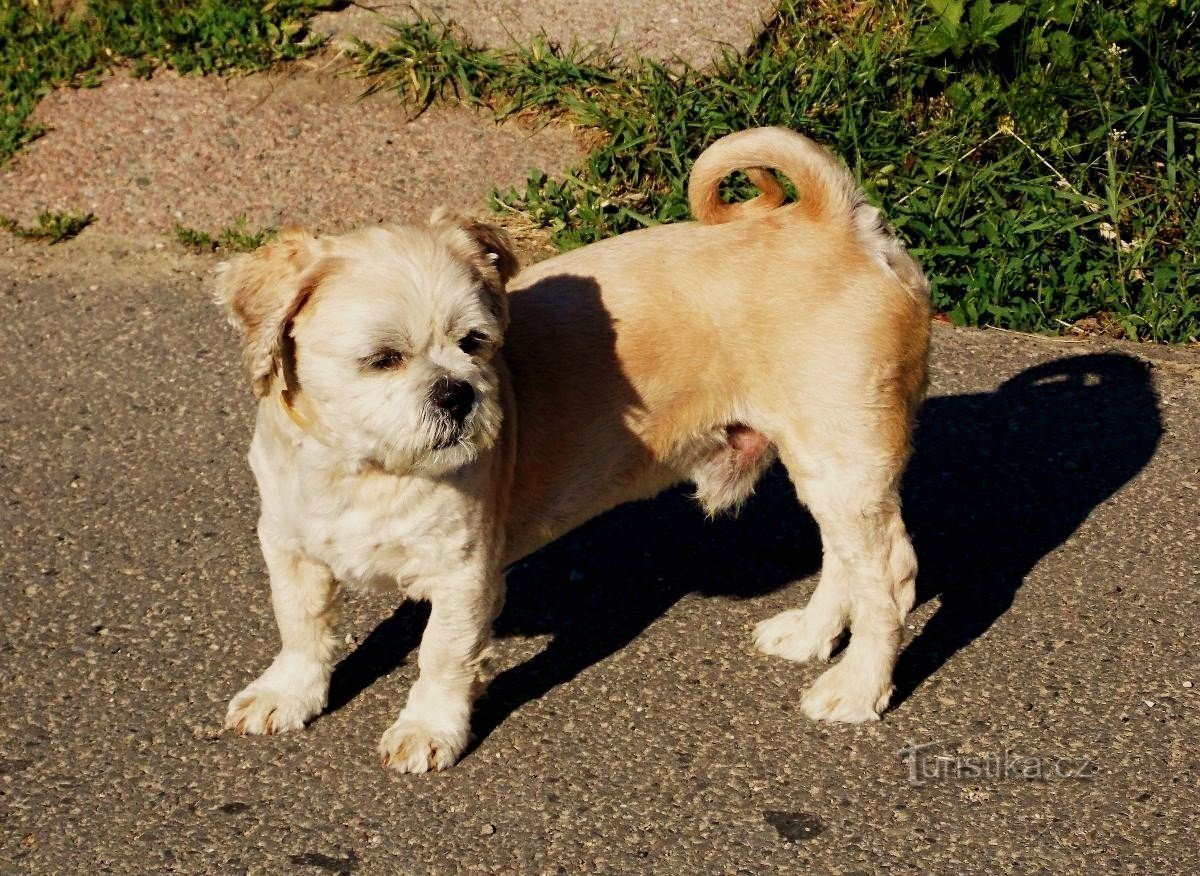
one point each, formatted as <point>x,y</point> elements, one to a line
<point>1187,684</point>
<point>488,829</point>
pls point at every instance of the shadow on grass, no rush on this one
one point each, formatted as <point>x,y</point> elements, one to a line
<point>998,480</point>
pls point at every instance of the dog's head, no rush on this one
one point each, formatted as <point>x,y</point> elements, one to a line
<point>387,335</point>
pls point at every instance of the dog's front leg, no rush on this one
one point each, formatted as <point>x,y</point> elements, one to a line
<point>434,727</point>
<point>295,686</point>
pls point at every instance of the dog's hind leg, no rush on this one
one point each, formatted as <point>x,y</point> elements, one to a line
<point>812,632</point>
<point>867,580</point>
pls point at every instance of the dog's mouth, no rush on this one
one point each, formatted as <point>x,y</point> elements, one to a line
<point>448,441</point>
<point>450,434</point>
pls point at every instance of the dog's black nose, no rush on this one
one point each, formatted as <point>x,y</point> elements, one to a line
<point>455,397</point>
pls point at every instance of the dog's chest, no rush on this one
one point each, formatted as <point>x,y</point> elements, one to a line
<point>380,545</point>
<point>372,530</point>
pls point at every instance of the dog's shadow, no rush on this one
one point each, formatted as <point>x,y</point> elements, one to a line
<point>998,480</point>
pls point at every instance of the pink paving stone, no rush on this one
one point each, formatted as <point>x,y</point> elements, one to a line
<point>144,154</point>
<point>694,30</point>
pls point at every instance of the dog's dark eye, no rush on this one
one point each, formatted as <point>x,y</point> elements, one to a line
<point>385,360</point>
<point>471,342</point>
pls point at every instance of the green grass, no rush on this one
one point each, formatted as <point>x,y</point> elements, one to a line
<point>1041,159</point>
<point>234,238</point>
<point>193,239</point>
<point>40,49</point>
<point>51,227</point>
<point>239,238</point>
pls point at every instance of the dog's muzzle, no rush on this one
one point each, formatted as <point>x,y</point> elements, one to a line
<point>454,398</point>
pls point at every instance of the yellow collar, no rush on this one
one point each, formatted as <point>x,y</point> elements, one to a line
<point>294,415</point>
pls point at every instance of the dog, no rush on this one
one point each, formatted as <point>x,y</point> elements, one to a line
<point>697,352</point>
<point>378,458</point>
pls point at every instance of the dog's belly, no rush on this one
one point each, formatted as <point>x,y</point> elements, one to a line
<point>624,386</point>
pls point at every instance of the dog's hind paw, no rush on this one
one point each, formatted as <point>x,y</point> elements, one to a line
<point>409,746</point>
<point>798,634</point>
<point>844,694</point>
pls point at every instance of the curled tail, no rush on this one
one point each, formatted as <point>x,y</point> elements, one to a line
<point>825,188</point>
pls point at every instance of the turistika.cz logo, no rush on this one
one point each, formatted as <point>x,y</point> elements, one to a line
<point>926,764</point>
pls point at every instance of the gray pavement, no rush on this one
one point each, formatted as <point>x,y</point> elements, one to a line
<point>1050,665</point>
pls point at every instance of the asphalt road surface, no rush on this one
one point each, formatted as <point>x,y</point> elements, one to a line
<point>1046,718</point>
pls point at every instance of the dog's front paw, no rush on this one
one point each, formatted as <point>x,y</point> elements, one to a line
<point>798,634</point>
<point>846,694</point>
<point>285,697</point>
<point>260,710</point>
<point>410,746</point>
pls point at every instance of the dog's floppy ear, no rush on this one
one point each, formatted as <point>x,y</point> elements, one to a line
<point>488,248</point>
<point>496,248</point>
<point>262,291</point>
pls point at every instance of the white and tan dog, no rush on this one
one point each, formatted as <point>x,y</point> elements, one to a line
<point>698,351</point>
